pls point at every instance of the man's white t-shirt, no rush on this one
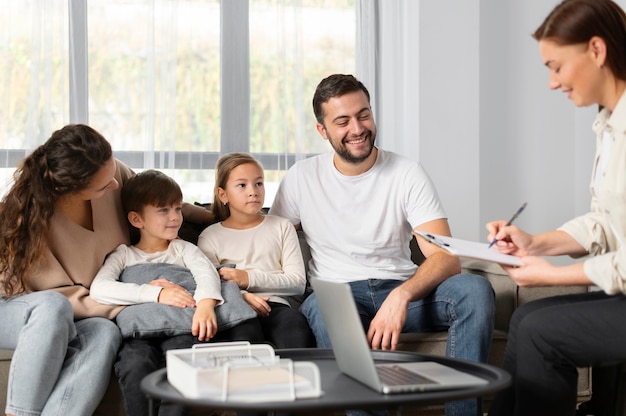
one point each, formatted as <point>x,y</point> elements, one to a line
<point>358,227</point>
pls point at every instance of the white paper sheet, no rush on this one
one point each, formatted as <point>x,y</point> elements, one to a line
<point>471,249</point>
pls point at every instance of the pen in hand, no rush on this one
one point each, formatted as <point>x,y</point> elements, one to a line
<point>519,211</point>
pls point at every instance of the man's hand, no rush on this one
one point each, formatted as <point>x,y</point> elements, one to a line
<point>173,294</point>
<point>204,323</point>
<point>386,327</point>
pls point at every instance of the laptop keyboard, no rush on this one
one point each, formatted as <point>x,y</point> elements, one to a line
<point>400,376</point>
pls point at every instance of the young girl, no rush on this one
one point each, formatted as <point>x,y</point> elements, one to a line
<point>260,253</point>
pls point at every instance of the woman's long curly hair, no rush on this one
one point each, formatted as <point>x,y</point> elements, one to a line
<point>64,164</point>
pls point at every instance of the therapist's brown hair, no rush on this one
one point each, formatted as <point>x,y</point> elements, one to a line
<point>574,22</point>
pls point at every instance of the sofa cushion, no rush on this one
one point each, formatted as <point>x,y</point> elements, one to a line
<point>528,294</point>
<point>145,320</point>
<point>5,365</point>
<point>434,343</point>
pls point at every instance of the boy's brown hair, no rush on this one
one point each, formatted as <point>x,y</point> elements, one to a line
<point>149,187</point>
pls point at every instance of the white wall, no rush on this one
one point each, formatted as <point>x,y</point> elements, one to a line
<point>449,116</point>
<point>491,133</point>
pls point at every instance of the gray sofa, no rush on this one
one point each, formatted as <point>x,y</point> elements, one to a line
<point>508,297</point>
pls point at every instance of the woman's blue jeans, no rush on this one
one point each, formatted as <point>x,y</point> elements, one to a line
<point>59,367</point>
<point>463,305</point>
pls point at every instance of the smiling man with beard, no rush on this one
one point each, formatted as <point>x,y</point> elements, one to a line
<point>357,207</point>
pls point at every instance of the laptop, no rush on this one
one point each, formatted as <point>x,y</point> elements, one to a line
<point>354,358</point>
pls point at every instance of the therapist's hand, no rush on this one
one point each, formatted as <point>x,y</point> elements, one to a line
<point>511,239</point>
<point>536,271</point>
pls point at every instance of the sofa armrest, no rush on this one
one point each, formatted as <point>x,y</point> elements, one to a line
<point>504,288</point>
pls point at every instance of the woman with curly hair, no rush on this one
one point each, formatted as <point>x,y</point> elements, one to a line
<point>60,218</point>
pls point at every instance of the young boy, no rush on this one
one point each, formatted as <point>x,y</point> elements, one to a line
<point>152,202</point>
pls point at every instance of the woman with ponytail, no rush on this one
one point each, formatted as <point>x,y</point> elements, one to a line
<point>582,43</point>
<point>60,219</point>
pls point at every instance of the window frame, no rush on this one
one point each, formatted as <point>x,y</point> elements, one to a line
<point>235,95</point>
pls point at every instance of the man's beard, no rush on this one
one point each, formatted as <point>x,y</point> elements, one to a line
<point>345,154</point>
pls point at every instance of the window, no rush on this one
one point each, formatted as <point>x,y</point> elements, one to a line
<point>34,77</point>
<point>173,84</point>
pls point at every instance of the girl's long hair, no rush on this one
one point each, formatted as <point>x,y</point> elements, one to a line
<point>64,164</point>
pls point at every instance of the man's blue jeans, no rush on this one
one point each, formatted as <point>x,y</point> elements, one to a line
<point>463,305</point>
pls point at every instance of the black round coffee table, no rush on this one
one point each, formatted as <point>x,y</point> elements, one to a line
<point>340,392</point>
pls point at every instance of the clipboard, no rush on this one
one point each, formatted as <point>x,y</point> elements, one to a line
<point>471,249</point>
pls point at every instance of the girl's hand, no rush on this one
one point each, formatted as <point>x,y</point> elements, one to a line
<point>258,303</point>
<point>204,323</point>
<point>173,294</point>
<point>240,277</point>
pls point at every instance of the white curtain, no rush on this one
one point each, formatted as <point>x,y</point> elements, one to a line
<point>161,73</point>
<point>33,73</point>
<point>120,66</point>
<point>33,78</point>
<point>388,64</point>
<point>253,52</point>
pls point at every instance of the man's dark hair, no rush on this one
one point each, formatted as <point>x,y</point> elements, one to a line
<point>335,86</point>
